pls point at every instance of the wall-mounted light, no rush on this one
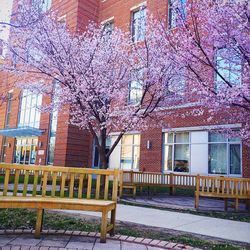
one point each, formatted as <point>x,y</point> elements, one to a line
<point>149,144</point>
<point>40,144</point>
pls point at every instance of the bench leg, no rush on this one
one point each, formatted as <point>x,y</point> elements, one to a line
<point>39,222</point>
<point>196,201</point>
<point>134,191</point>
<point>104,226</point>
<point>236,204</point>
<point>113,215</point>
<point>225,204</point>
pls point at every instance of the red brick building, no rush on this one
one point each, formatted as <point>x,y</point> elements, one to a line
<point>30,137</point>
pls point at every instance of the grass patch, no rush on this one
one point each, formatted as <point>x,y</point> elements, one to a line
<point>25,219</point>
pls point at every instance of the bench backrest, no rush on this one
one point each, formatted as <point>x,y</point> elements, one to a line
<point>52,181</point>
<point>219,185</point>
<point>152,178</point>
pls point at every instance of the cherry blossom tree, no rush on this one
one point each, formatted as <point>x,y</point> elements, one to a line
<point>212,42</point>
<point>106,81</point>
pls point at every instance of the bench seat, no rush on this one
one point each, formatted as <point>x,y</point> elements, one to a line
<point>56,203</point>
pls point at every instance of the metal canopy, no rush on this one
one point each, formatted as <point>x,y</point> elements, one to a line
<point>21,131</point>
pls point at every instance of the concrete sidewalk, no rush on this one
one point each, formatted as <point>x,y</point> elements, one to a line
<point>212,227</point>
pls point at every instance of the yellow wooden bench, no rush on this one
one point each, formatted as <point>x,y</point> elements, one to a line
<point>96,198</point>
<point>223,187</point>
<point>137,179</point>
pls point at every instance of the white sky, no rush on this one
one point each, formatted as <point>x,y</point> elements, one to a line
<point>5,11</point>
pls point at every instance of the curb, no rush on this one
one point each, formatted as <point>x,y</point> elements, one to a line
<point>124,238</point>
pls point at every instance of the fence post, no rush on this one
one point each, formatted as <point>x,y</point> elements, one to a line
<point>197,191</point>
<point>171,184</point>
<point>121,183</point>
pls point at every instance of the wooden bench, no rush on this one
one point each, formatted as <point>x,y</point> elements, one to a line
<point>90,196</point>
<point>223,187</point>
<point>137,179</point>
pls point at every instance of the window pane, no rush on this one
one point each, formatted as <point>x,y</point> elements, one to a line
<point>127,140</point>
<point>182,137</point>
<point>216,137</point>
<point>169,138</point>
<point>137,139</point>
<point>126,157</point>
<point>168,158</point>
<point>217,158</point>
<point>136,157</point>
<point>235,159</point>
<point>138,25</point>
<point>181,158</point>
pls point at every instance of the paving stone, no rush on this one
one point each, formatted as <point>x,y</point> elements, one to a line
<point>9,231</point>
<point>34,248</point>
<point>130,238</point>
<point>24,248</point>
<point>179,246</point>
<point>18,231</point>
<point>132,246</point>
<point>76,232</point>
<point>146,241</point>
<point>53,243</point>
<point>2,231</point>
<point>92,234</point>
<point>53,248</point>
<point>162,243</point>
<point>44,248</point>
<point>60,231</point>
<point>138,240</point>
<point>57,237</point>
<point>171,245</point>
<point>5,239</point>
<point>84,233</point>
<point>110,244</point>
<point>154,242</point>
<point>15,248</point>
<point>68,232</point>
<point>6,248</point>
<point>123,237</point>
<point>80,245</point>
<point>25,240</point>
<point>82,239</point>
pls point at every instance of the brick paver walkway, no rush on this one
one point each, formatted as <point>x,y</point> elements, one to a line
<point>52,240</point>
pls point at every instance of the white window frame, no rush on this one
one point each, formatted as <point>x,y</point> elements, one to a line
<point>173,151</point>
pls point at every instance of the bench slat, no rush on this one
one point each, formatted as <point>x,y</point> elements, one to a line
<point>62,185</point>
<point>45,180</point>
<point>72,182</point>
<point>98,184</point>
<point>89,186</point>
<point>35,183</point>
<point>26,182</point>
<point>6,182</point>
<point>17,174</point>
<point>80,187</point>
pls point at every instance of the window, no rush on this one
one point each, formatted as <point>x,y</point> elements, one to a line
<point>177,83</point>
<point>42,5</point>
<point>229,66</point>
<point>29,113</point>
<point>139,24</point>
<point>130,151</point>
<point>136,87</point>
<point>4,149</point>
<point>108,27</point>
<point>176,12</point>
<point>6,125</point>
<point>176,152</point>
<point>8,111</point>
<point>26,149</point>
<point>224,155</point>
<point>53,125</point>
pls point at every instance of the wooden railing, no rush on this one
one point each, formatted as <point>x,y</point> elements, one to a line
<point>86,181</point>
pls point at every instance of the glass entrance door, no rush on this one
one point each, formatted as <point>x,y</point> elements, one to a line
<point>26,149</point>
